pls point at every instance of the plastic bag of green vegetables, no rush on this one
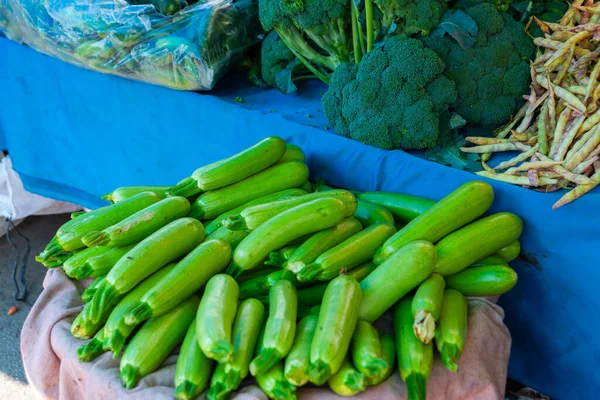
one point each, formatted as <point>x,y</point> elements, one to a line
<point>171,43</point>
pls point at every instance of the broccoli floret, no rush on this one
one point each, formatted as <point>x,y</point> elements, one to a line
<point>279,67</point>
<point>491,75</point>
<point>393,98</point>
<point>315,31</point>
<point>408,17</point>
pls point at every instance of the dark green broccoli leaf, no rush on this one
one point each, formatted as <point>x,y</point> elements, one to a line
<point>460,26</point>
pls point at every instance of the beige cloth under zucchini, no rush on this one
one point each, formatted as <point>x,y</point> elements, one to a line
<point>52,367</point>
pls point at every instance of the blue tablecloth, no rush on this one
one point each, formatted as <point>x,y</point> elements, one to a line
<point>75,135</point>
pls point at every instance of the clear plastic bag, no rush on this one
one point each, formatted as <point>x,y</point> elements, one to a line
<point>189,50</point>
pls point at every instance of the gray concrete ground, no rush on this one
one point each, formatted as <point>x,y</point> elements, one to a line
<point>39,230</point>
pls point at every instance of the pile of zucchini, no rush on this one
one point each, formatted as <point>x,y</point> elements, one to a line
<point>254,272</point>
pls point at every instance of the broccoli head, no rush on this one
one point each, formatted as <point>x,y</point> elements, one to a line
<point>493,74</point>
<point>393,98</point>
<point>408,17</point>
<point>315,31</point>
<point>279,67</point>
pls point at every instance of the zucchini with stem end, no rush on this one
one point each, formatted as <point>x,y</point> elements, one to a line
<point>298,359</point>
<point>454,211</point>
<point>188,276</point>
<point>162,247</point>
<point>273,179</point>
<point>284,228</point>
<point>218,221</point>
<point>347,381</point>
<point>320,242</point>
<point>451,331</point>
<point>123,193</point>
<point>337,320</point>
<point>68,236</point>
<point>280,328</point>
<point>252,217</point>
<point>100,264</point>
<point>140,225</point>
<point>351,253</point>
<point>75,263</point>
<point>427,306</point>
<point>489,280</point>
<point>215,316</point>
<point>365,348</point>
<point>388,351</point>
<point>233,169</point>
<point>397,276</point>
<point>403,207</point>
<point>415,358</point>
<point>116,331</point>
<point>369,214</point>
<point>193,369</point>
<point>475,241</point>
<point>161,335</point>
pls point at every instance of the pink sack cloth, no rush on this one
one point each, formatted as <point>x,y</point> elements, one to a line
<point>51,365</point>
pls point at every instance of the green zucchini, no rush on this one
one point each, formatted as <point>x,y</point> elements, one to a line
<point>100,264</point>
<point>233,169</point>
<point>284,228</point>
<point>116,331</point>
<point>279,258</point>
<point>215,317</point>
<point>77,214</point>
<point>153,343</point>
<point>68,236</point>
<point>246,328</point>
<point>510,252</point>
<point>255,286</point>
<point>451,331</point>
<point>491,280</point>
<point>273,179</point>
<point>298,359</point>
<point>320,242</point>
<point>140,225</point>
<point>280,328</point>
<point>349,254</point>
<point>73,264</point>
<point>452,212</point>
<point>426,307</point>
<point>397,276</point>
<point>92,349</point>
<point>365,348</point>
<point>347,381</point>
<point>369,214</point>
<point>88,293</point>
<point>274,385</point>
<point>258,272</point>
<point>193,369</point>
<point>284,274</point>
<point>415,358</point>
<point>218,384</point>
<point>234,238</point>
<point>313,295</point>
<point>475,241</point>
<point>388,351</point>
<point>252,217</point>
<point>188,276</point>
<point>163,246</point>
<point>337,320</point>
<point>292,153</point>
<point>494,259</point>
<point>403,207</point>
<point>123,193</point>
<point>284,194</point>
<point>84,327</point>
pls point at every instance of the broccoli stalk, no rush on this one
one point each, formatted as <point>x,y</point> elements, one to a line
<point>279,67</point>
<point>315,31</point>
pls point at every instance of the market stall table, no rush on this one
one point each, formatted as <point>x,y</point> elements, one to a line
<point>75,135</point>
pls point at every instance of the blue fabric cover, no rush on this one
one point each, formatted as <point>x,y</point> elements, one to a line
<point>74,135</point>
